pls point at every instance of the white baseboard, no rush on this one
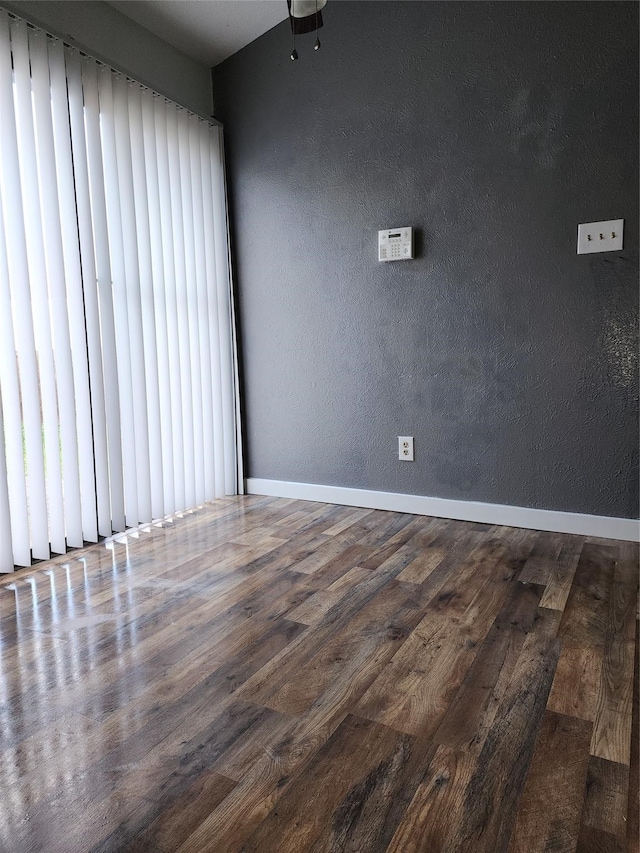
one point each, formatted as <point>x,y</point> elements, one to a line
<point>627,529</point>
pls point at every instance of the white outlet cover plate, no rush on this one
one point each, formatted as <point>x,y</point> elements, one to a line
<point>405,448</point>
<point>603,236</point>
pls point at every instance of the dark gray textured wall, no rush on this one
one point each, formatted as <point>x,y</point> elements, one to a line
<point>494,129</point>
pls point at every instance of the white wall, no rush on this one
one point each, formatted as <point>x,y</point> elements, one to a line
<point>107,34</point>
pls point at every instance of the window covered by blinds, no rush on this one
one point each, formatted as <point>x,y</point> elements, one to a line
<point>117,398</point>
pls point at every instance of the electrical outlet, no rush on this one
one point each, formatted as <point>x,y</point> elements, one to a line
<point>603,236</point>
<point>405,448</point>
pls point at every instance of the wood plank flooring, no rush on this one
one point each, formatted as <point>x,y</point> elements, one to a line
<point>281,676</point>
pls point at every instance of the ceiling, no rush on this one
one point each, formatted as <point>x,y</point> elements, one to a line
<point>207,30</point>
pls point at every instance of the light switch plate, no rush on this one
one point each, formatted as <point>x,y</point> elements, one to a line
<point>600,236</point>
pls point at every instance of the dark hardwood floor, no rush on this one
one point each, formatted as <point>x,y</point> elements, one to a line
<point>279,676</point>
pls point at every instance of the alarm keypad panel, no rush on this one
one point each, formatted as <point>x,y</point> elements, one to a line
<point>395,244</point>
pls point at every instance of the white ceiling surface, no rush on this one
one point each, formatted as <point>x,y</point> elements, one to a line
<point>207,30</point>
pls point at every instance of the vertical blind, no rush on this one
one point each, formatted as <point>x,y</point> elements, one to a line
<point>117,397</point>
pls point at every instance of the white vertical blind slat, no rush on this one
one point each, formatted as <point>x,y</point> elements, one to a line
<point>182,309</point>
<point>11,448</point>
<point>66,448</point>
<point>223,292</point>
<point>192,303</point>
<point>34,236</point>
<point>111,182</point>
<point>74,298</point>
<point>29,412</point>
<point>131,292</point>
<point>85,302</point>
<point>158,285</point>
<point>6,544</point>
<point>171,300</point>
<point>212,315</point>
<point>202,311</point>
<point>102,326</point>
<point>147,307</point>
